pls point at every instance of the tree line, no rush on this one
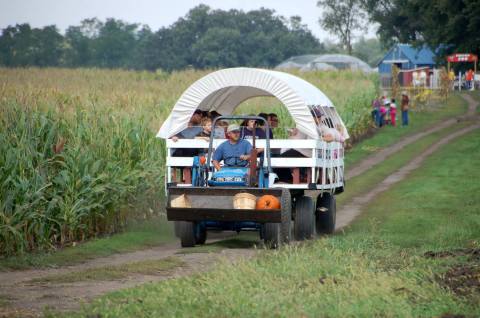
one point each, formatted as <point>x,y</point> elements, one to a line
<point>204,38</point>
<point>207,38</point>
<point>446,25</point>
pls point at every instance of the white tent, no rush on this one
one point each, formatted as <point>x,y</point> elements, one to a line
<point>224,90</point>
<point>317,67</point>
<point>343,61</point>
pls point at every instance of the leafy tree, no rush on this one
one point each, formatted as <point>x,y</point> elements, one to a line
<point>23,46</point>
<point>79,42</point>
<point>49,46</point>
<point>342,18</point>
<point>204,38</point>
<point>115,43</point>
<point>7,43</point>
<point>77,52</point>
<point>218,38</point>
<point>369,50</point>
<point>142,54</point>
<point>218,47</point>
<point>451,25</point>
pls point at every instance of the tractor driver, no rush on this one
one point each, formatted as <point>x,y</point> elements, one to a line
<point>234,152</point>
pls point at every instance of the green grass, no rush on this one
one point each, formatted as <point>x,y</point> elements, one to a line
<point>376,267</point>
<point>419,120</point>
<point>439,207</point>
<point>362,183</point>
<point>476,95</point>
<point>4,301</point>
<point>142,234</point>
<point>104,273</point>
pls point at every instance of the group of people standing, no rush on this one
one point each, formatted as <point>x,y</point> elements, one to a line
<point>384,110</point>
<point>468,78</point>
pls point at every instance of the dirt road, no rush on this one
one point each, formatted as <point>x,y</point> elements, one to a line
<point>26,298</point>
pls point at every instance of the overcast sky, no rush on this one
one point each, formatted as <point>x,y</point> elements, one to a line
<point>156,14</point>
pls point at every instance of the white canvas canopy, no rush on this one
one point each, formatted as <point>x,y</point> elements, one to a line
<point>224,90</point>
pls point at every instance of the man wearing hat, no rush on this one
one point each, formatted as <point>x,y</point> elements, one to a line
<point>234,152</point>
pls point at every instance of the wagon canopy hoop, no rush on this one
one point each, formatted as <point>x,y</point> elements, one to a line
<point>224,90</point>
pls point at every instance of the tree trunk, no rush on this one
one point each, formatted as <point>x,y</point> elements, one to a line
<point>349,48</point>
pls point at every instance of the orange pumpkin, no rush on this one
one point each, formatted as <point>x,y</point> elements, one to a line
<point>267,202</point>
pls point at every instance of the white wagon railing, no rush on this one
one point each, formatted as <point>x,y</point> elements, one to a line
<point>324,168</point>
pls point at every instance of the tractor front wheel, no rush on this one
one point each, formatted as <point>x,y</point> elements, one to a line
<point>276,234</point>
<point>186,232</point>
<point>200,233</point>
<point>271,235</point>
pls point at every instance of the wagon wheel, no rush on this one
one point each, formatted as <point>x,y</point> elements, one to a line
<point>325,213</point>
<point>304,218</point>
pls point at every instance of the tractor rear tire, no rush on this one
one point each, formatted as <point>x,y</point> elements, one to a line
<point>186,232</point>
<point>304,219</point>
<point>200,233</point>
<point>325,213</point>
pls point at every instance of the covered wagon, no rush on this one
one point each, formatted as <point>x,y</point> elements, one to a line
<point>204,198</point>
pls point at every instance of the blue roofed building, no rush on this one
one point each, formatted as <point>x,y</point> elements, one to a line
<point>406,58</point>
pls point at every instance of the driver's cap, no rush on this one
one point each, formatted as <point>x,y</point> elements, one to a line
<point>233,127</point>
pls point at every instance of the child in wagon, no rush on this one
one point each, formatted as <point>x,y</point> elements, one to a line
<point>206,129</point>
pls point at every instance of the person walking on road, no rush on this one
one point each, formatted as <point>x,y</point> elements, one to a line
<point>404,107</point>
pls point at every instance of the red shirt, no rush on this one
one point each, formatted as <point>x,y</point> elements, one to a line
<point>469,75</point>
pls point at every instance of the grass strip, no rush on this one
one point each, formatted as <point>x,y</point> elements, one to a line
<point>362,183</point>
<point>104,273</point>
<point>142,234</point>
<point>378,267</point>
<point>4,301</point>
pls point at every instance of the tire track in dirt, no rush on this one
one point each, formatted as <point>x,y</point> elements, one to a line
<point>28,299</point>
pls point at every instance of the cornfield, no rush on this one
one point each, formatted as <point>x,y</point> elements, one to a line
<point>78,153</point>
